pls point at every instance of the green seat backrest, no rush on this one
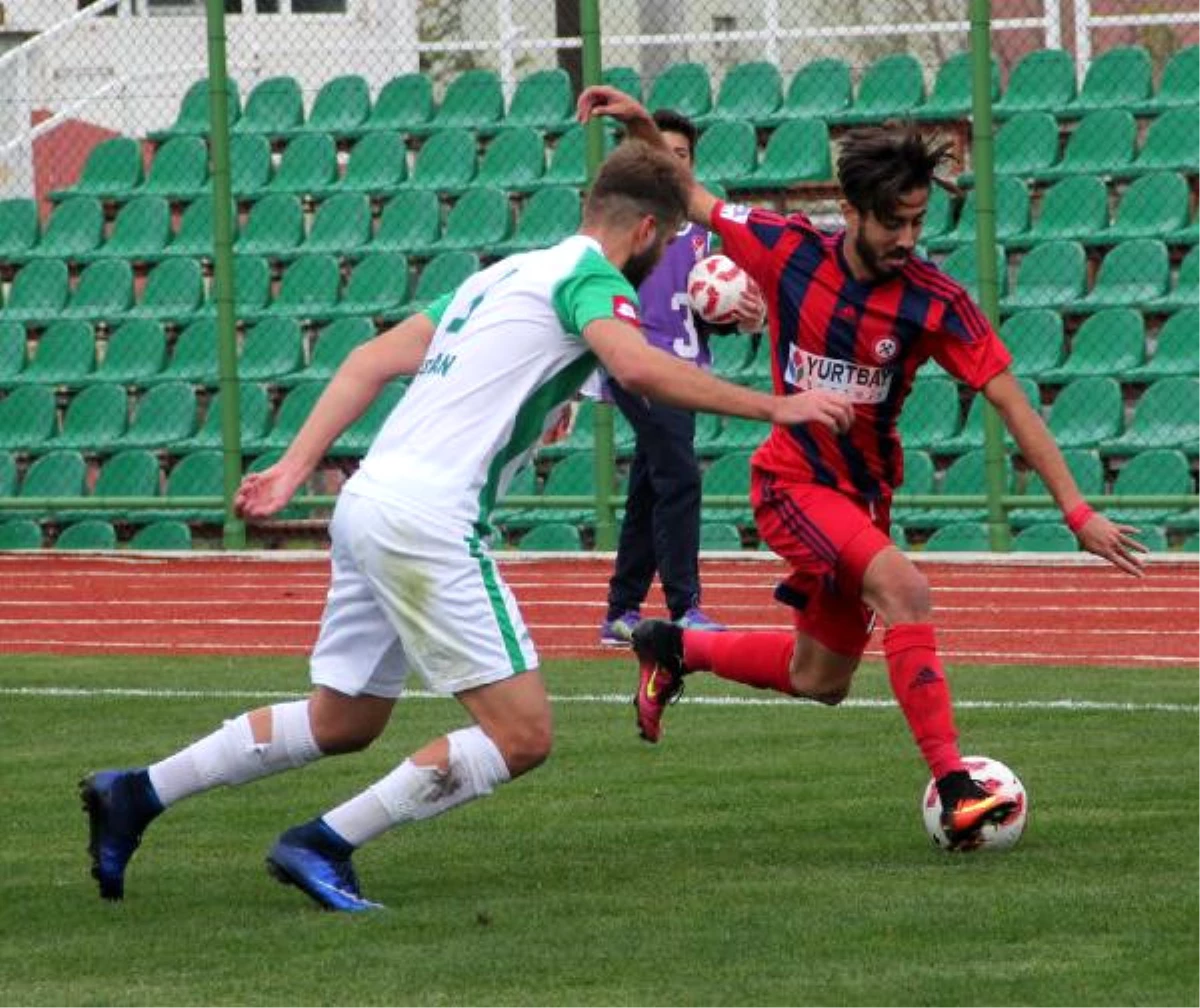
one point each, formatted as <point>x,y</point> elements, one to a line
<point>311,281</point>
<point>1103,140</point>
<point>18,225</point>
<point>549,216</point>
<point>684,87</point>
<point>542,99</point>
<point>273,347</point>
<point>799,149</point>
<point>474,98</point>
<point>165,414</point>
<point>174,283</point>
<point>574,475</point>
<point>8,474</point>
<point>1027,143</point>
<point>105,289</point>
<point>274,105</point>
<point>1116,78</point>
<point>200,474</point>
<point>66,351</point>
<point>720,536</point>
<point>39,287</point>
<point>1074,207</point>
<point>1111,342</point>
<point>193,115</point>
<point>918,474</point>
<point>1044,80</point>
<point>1086,412</point>
<point>552,537</point>
<point>967,474</point>
<point>169,534</point>
<point>89,534</point>
<point>113,168</point>
<point>445,161</point>
<point>444,273</point>
<point>727,476</point>
<point>309,163</point>
<point>76,226</point>
<point>275,224</point>
<point>1153,206</point>
<point>27,417</point>
<point>131,473</point>
<point>963,265</point>
<point>1169,411</point>
<point>143,225</point>
<point>1035,339</point>
<point>1056,271</point>
<point>749,91</point>
<point>726,151</point>
<point>12,352</point>
<point>341,104</point>
<point>194,356</point>
<point>251,282</point>
<point>891,84</point>
<point>404,101</point>
<point>624,78</point>
<point>1134,271</point>
<point>341,224</point>
<point>1012,210</point>
<point>567,158</point>
<point>179,166</point>
<point>1178,349</point>
<point>380,278</point>
<point>249,163</point>
<point>938,214</point>
<point>818,89</point>
<point>378,163</point>
<point>1181,78</point>
<point>1158,471</point>
<point>195,234</point>
<point>294,410</point>
<point>357,438</point>
<point>931,413</point>
<point>335,343</point>
<point>57,474</point>
<point>410,221</point>
<point>1048,537</point>
<point>514,158</point>
<point>254,411</point>
<point>95,417</point>
<point>951,92</point>
<point>20,534</point>
<point>1086,468</point>
<point>959,537</point>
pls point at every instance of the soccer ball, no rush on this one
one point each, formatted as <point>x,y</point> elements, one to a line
<point>993,776</point>
<point>714,286</point>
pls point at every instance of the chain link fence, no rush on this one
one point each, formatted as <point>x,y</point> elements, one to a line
<point>378,153</point>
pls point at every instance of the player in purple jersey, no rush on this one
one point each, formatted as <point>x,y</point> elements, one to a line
<point>661,528</point>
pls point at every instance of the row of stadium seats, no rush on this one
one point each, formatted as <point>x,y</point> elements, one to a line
<point>95,534</point>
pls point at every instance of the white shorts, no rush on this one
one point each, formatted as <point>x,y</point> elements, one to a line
<point>411,591</point>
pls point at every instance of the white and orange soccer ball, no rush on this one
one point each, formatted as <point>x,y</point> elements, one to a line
<point>714,286</point>
<point>992,776</point>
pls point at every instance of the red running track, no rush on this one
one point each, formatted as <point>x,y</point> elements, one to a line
<point>1000,612</point>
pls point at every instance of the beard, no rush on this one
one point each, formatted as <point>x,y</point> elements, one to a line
<point>879,267</point>
<point>640,265</point>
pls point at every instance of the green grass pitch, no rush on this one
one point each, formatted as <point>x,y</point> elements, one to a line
<point>761,854</point>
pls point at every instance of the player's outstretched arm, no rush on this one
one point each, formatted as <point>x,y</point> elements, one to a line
<point>602,100</point>
<point>397,351</point>
<point>645,370</point>
<point>1096,533</point>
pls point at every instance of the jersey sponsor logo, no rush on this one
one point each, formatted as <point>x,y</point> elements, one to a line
<point>626,310</point>
<point>739,213</point>
<point>859,383</point>
<point>699,246</point>
<point>439,364</point>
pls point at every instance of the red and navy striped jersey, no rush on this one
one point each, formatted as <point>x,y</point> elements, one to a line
<point>865,340</point>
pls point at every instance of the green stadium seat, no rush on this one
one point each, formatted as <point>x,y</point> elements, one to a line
<point>20,534</point>
<point>193,118</point>
<point>970,435</point>
<point>411,221</point>
<point>1102,144</point>
<point>524,484</point>
<point>1011,219</point>
<point>726,152</point>
<point>341,226</point>
<point>332,347</point>
<point>965,476</point>
<point>27,418</point>
<point>445,162</point>
<point>567,165</point>
<point>404,102</point>
<point>963,265</point>
<point>951,94</point>
<point>918,478</point>
<point>113,170</point>
<point>1180,83</point>
<point>1191,544</point>
<point>1154,206</point>
<point>623,78</point>
<point>1172,143</point>
<point>75,228</point>
<point>292,413</point>
<point>39,291</point>
<point>1072,209</point>
<point>1118,78</point>
<point>931,413</point>
<point>441,275</point>
<point>378,166</point>
<point>552,537</point>
<point>1086,413</point>
<point>550,216</point>
<point>730,354</point>
<point>8,475</point>
<point>12,354</point>
<point>543,101</point>
<point>750,93</point>
<point>1184,521</point>
<point>169,534</point>
<point>251,289</point>
<point>356,439</point>
<point>1052,275</point>
<point>58,474</point>
<point>479,220</point>
<point>140,233</point>
<point>1186,291</point>
<point>939,215</point>
<point>1026,145</point>
<point>474,100</point>
<point>104,291</point>
<point>377,284</point>
<point>174,290</point>
<point>65,354</point>
<point>273,107</point>
<point>19,228</point>
<point>707,436</point>
<point>254,416</point>
<point>308,289</point>
<point>308,165</point>
<point>1177,351</point>
<point>573,476</point>
<point>341,106</point>
<point>739,434</point>
<point>195,235</point>
<point>1111,342</point>
<point>1158,471</point>
<point>194,356</point>
<point>272,348</point>
<point>892,86</point>
<point>95,418</point>
<point>200,474</point>
<point>163,415</point>
<point>132,473</point>
<point>1048,537</point>
<point>684,87</point>
<point>249,165</point>
<point>1086,468</point>
<point>1132,273</point>
<point>959,537</point>
<point>1035,340</point>
<point>798,151</point>
<point>514,160</point>
<point>727,476</point>
<point>1152,537</point>
<point>275,227</point>
<point>818,90</point>
<point>1166,416</point>
<point>720,536</point>
<point>89,534</point>
<point>179,170</point>
<point>1043,81</point>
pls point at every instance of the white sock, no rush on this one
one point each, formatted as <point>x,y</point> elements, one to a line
<point>231,756</point>
<point>412,792</point>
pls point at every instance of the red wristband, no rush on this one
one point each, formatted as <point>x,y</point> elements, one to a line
<point>1079,516</point>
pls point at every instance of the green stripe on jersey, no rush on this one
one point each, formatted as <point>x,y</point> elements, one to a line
<point>491,583</point>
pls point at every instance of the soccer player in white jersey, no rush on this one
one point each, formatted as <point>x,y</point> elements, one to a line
<point>413,584</point>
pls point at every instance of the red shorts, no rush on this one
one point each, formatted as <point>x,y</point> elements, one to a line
<point>829,540</point>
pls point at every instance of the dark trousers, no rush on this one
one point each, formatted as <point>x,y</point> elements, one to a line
<point>661,529</point>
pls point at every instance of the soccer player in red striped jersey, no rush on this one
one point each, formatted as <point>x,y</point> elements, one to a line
<point>856,312</point>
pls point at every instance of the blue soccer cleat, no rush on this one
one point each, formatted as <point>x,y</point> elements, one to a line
<point>317,861</point>
<point>120,804</point>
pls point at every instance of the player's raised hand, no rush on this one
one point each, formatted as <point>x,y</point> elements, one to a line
<point>830,409</point>
<point>262,494</point>
<point>603,100</point>
<point>1115,543</point>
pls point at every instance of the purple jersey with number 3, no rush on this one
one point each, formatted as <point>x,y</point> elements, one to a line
<point>667,321</point>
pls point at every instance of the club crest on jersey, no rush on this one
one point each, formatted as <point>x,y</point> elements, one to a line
<point>699,245</point>
<point>626,310</point>
<point>860,384</point>
<point>736,212</point>
<point>885,349</point>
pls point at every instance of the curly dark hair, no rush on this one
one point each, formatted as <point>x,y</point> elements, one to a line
<point>877,165</point>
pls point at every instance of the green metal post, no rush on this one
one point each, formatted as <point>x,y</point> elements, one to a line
<point>218,105</point>
<point>605,457</point>
<point>985,248</point>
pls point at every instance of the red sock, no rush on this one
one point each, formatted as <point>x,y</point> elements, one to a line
<point>920,687</point>
<point>761,659</point>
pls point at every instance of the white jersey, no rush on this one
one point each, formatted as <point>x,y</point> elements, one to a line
<point>506,355</point>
